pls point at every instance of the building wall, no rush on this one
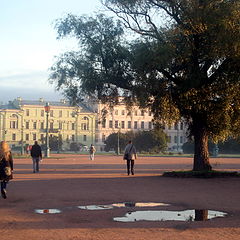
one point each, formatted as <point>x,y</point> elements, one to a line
<point>27,123</point>
<point>120,119</point>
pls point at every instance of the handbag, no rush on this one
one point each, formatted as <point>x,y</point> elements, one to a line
<point>127,155</point>
<point>8,171</point>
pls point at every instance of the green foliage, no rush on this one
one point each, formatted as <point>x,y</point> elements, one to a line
<point>55,143</point>
<point>186,66</point>
<point>144,141</point>
<point>230,146</point>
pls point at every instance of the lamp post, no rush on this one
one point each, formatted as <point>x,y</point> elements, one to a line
<point>118,140</point>
<point>47,110</point>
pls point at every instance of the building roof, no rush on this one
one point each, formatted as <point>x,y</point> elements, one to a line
<point>17,103</point>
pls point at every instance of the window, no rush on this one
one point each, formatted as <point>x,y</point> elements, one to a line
<point>34,136</point>
<point>103,138</point>
<point>84,138</point>
<point>27,125</point>
<point>27,137</point>
<point>142,125</point>
<point>116,112</point>
<point>116,124</point>
<point>27,112</point>
<point>60,125</point>
<point>169,127</point>
<point>176,126</point>
<point>42,125</point>
<point>142,113</point>
<point>42,113</point>
<point>122,124</point>
<point>85,118</point>
<point>73,126</point>
<point>135,124</point>
<point>13,124</point>
<point>175,139</point>
<point>181,139</point>
<point>110,124</point>
<point>104,123</point>
<point>14,136</point>
<point>150,125</point>
<point>34,125</point>
<point>129,124</point>
<point>123,112</point>
<point>84,126</point>
<point>51,125</point>
<point>181,126</point>
<point>60,113</point>
<point>42,137</point>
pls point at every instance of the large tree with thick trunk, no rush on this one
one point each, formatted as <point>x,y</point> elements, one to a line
<point>184,64</point>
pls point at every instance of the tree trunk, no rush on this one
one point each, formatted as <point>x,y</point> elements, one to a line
<point>201,154</point>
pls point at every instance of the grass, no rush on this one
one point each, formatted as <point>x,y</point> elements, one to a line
<point>201,174</point>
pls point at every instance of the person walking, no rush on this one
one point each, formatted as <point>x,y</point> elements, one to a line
<point>6,167</point>
<point>130,154</point>
<point>36,154</point>
<point>92,151</point>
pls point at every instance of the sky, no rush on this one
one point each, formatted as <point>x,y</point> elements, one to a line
<point>28,45</point>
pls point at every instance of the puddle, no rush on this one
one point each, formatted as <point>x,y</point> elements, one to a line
<point>48,211</point>
<point>187,215</point>
<point>140,204</point>
<point>96,207</point>
<point>120,205</point>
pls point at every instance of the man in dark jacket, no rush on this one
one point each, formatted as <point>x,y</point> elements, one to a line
<point>36,154</point>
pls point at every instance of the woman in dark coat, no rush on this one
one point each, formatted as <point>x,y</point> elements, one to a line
<point>6,167</point>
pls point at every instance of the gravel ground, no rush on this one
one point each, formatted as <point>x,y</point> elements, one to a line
<point>66,182</point>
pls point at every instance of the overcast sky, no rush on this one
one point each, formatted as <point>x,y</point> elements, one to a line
<point>28,44</point>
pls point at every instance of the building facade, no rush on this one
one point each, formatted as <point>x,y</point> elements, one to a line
<point>119,118</point>
<point>24,121</point>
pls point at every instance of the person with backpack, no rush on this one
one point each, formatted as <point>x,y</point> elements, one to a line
<point>130,154</point>
<point>92,151</point>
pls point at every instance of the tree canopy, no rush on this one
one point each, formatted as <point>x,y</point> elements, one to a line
<point>184,64</point>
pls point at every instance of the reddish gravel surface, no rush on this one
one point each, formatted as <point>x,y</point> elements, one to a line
<point>68,181</point>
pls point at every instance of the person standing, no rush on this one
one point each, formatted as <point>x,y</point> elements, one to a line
<point>36,154</point>
<point>6,167</point>
<point>92,151</point>
<point>130,154</point>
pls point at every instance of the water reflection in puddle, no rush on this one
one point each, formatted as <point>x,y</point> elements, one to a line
<point>187,215</point>
<point>96,207</point>
<point>48,211</point>
<point>120,205</point>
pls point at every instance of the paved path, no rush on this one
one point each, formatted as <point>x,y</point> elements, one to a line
<point>69,181</point>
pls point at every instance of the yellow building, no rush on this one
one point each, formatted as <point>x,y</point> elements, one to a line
<point>119,118</point>
<point>24,121</point>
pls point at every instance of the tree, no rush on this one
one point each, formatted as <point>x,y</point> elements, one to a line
<point>151,141</point>
<point>55,143</point>
<point>148,141</point>
<point>184,65</point>
<point>112,142</point>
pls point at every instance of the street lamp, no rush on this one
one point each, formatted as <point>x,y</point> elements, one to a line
<point>118,140</point>
<point>47,110</point>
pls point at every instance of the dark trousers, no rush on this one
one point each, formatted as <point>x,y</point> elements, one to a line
<point>130,166</point>
<point>35,164</point>
<point>3,185</point>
